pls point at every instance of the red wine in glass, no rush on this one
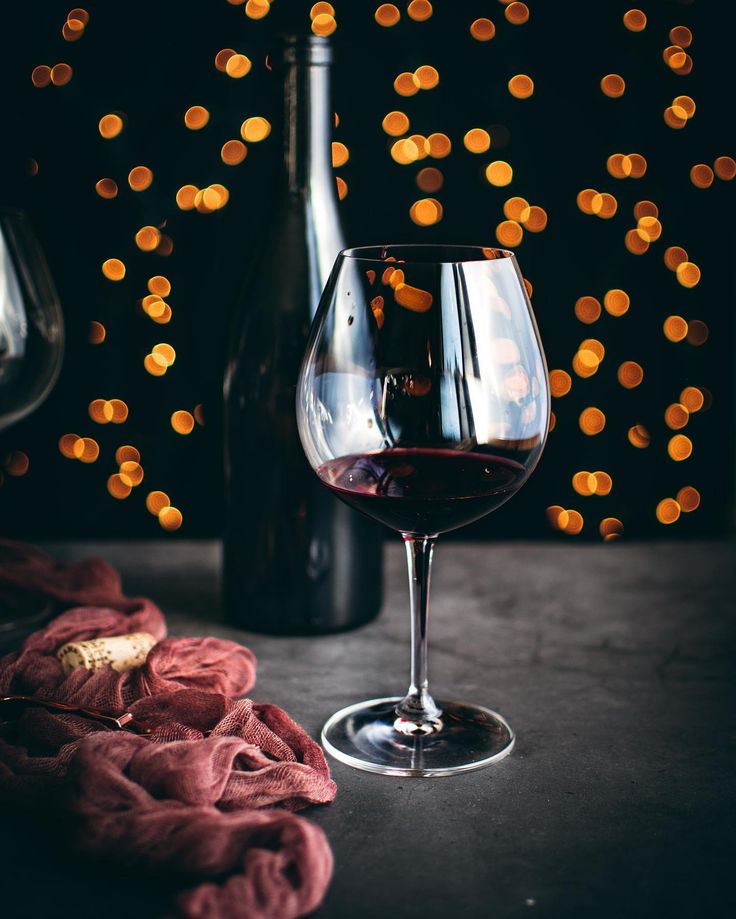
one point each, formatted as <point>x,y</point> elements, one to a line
<point>423,491</point>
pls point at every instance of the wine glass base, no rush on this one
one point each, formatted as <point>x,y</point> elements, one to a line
<point>363,736</point>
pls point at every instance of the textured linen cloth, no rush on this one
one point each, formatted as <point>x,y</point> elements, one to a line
<point>209,795</point>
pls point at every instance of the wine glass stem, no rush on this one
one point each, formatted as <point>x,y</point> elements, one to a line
<point>418,708</point>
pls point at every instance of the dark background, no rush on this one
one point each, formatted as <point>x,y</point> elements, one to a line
<point>151,62</point>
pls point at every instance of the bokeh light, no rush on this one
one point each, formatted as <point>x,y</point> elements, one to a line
<point>517,13</point>
<point>676,416</point>
<point>387,15</point>
<point>232,153</point>
<point>110,126</point>
<point>238,65</point>
<point>679,447</point>
<point>61,74</point>
<point>118,486</point>
<point>592,421</point>
<point>639,436</point>
<point>222,57</point>
<point>681,36</point>
<point>668,511</point>
<point>645,208</point>
<point>148,238</point>
<point>258,9</point>
<point>426,211</point>
<point>616,302</point>
<point>725,167</point>
<point>41,76</point>
<point>427,76</point>
<point>675,328</point>
<point>688,274</point>
<point>611,528</point>
<point>170,518</point>
<point>127,454</point>
<point>587,309</point>
<point>635,242</point>
<point>573,524</point>
<point>86,449</point>
<point>156,501</point>
<point>688,498</point>
<point>697,332</point>
<point>439,145</point>
<point>107,188</point>
<point>630,374</point>
<point>16,463</point>
<point>395,124</point>
<point>96,333</point>
<point>692,398</point>
<point>406,84</point>
<point>603,483</point>
<point>160,285</point>
<point>509,233</point>
<point>521,86</point>
<point>560,383</point>
<point>196,117</point>
<point>419,10</point>
<point>499,173</point>
<point>324,24</point>
<point>140,178</point>
<point>635,20</point>
<point>113,269</point>
<point>477,140</point>
<point>701,175</point>
<point>482,29</point>
<point>340,154</point>
<point>613,85</point>
<point>430,179</point>
<point>182,422</point>
<point>674,256</point>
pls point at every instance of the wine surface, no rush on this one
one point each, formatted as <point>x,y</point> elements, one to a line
<point>423,491</point>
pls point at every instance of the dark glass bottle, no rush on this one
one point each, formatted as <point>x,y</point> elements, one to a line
<point>297,561</point>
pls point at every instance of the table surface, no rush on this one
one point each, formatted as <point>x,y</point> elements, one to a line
<point>614,664</point>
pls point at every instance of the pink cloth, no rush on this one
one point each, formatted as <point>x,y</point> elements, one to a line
<point>209,795</point>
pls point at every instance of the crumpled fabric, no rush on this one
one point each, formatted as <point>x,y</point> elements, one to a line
<point>208,796</point>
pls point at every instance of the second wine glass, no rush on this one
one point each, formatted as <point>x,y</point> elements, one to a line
<point>422,401</point>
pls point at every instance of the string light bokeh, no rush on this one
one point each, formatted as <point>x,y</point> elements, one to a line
<point>145,149</point>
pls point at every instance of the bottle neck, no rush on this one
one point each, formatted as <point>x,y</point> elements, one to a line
<point>309,179</point>
<point>307,119</point>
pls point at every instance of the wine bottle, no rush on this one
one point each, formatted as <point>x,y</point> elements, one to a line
<point>297,560</point>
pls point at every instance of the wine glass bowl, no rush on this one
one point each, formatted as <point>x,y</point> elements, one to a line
<point>422,401</point>
<point>31,323</point>
<point>31,353</point>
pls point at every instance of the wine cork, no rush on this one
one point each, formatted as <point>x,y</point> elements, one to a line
<point>121,652</point>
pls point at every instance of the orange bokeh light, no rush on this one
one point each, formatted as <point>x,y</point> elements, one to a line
<point>613,85</point>
<point>630,374</point>
<point>482,29</point>
<point>592,421</point>
<point>387,15</point>
<point>587,309</point>
<point>635,20</point>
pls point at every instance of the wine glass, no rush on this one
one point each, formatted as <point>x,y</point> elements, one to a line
<point>31,352</point>
<point>31,324</point>
<point>422,401</point>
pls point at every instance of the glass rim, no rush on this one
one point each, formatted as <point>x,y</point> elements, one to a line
<point>465,253</point>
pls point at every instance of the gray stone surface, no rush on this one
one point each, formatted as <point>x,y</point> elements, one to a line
<point>614,664</point>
